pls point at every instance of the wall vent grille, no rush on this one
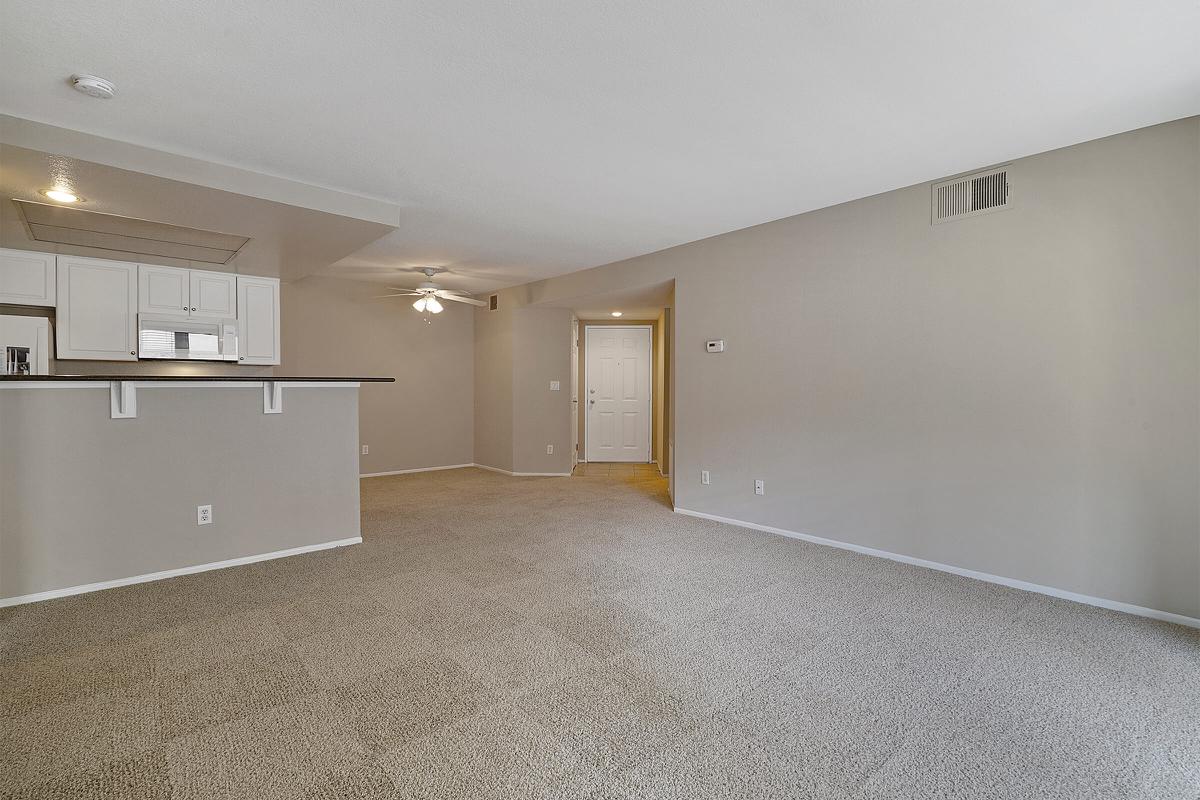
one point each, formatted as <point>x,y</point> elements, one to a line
<point>971,195</point>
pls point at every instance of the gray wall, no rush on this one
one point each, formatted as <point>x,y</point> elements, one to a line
<point>494,386</point>
<point>1017,393</point>
<point>424,419</point>
<point>518,351</point>
<point>541,353</point>
<point>85,498</point>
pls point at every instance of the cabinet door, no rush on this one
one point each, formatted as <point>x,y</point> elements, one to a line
<point>258,320</point>
<point>27,278</point>
<point>163,290</point>
<point>97,309</point>
<point>214,294</point>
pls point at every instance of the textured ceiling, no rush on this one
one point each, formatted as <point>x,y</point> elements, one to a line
<point>528,139</point>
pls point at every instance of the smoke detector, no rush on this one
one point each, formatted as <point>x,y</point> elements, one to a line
<point>93,86</point>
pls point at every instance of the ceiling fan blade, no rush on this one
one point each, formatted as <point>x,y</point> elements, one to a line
<point>402,294</point>
<point>458,298</point>
<point>401,289</point>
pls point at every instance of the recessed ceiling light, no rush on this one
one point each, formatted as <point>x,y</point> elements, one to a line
<point>93,86</point>
<point>62,196</point>
<point>616,313</point>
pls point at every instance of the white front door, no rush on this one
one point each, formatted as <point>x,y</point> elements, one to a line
<point>618,394</point>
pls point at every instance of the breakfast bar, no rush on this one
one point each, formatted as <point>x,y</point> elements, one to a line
<point>107,480</point>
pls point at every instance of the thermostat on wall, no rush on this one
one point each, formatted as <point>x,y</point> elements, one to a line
<point>715,345</point>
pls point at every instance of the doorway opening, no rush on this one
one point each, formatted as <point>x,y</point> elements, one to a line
<point>618,393</point>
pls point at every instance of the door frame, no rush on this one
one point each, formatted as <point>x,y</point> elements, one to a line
<point>587,381</point>
<point>574,391</point>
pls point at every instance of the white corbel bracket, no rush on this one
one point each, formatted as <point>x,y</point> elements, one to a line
<point>123,399</point>
<point>122,394</point>
<point>272,397</point>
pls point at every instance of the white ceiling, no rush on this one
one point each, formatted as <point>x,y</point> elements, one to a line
<point>533,138</point>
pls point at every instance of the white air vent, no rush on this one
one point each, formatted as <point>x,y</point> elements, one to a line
<point>970,195</point>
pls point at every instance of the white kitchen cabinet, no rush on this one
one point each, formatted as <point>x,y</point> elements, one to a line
<point>97,309</point>
<point>192,293</point>
<point>213,294</point>
<point>163,290</point>
<point>27,277</point>
<point>258,320</point>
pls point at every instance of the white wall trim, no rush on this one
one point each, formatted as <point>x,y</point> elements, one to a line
<point>172,573</point>
<point>1112,605</point>
<point>410,471</point>
<point>523,474</point>
<point>493,469</point>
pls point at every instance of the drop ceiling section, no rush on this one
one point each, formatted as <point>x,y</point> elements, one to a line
<point>76,226</point>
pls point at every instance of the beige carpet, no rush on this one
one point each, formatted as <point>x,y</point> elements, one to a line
<point>572,638</point>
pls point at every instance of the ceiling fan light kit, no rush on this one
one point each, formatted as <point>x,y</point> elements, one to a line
<point>428,294</point>
<point>428,303</point>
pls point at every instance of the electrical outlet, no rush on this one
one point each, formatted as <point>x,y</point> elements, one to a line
<point>549,449</point>
<point>758,487</point>
<point>203,515</point>
<point>704,477</point>
<point>364,449</point>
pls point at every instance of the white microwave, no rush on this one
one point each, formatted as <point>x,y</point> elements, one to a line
<point>187,339</point>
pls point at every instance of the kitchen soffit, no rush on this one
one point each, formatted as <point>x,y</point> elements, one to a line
<point>82,228</point>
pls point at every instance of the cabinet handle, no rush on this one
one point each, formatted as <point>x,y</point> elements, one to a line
<point>133,352</point>
<point>242,358</point>
<point>193,309</point>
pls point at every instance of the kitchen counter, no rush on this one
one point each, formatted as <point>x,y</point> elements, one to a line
<point>197,378</point>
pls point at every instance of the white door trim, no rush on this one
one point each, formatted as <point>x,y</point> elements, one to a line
<point>587,381</point>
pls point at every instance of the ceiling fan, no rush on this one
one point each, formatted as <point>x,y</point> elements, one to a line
<point>428,292</point>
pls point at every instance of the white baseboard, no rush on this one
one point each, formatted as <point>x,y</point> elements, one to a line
<point>172,573</point>
<point>522,474</point>
<point>1113,605</point>
<point>493,469</point>
<point>410,471</point>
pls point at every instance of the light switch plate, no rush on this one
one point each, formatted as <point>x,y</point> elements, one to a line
<point>555,386</point>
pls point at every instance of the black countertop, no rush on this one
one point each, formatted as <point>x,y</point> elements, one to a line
<point>199,378</point>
